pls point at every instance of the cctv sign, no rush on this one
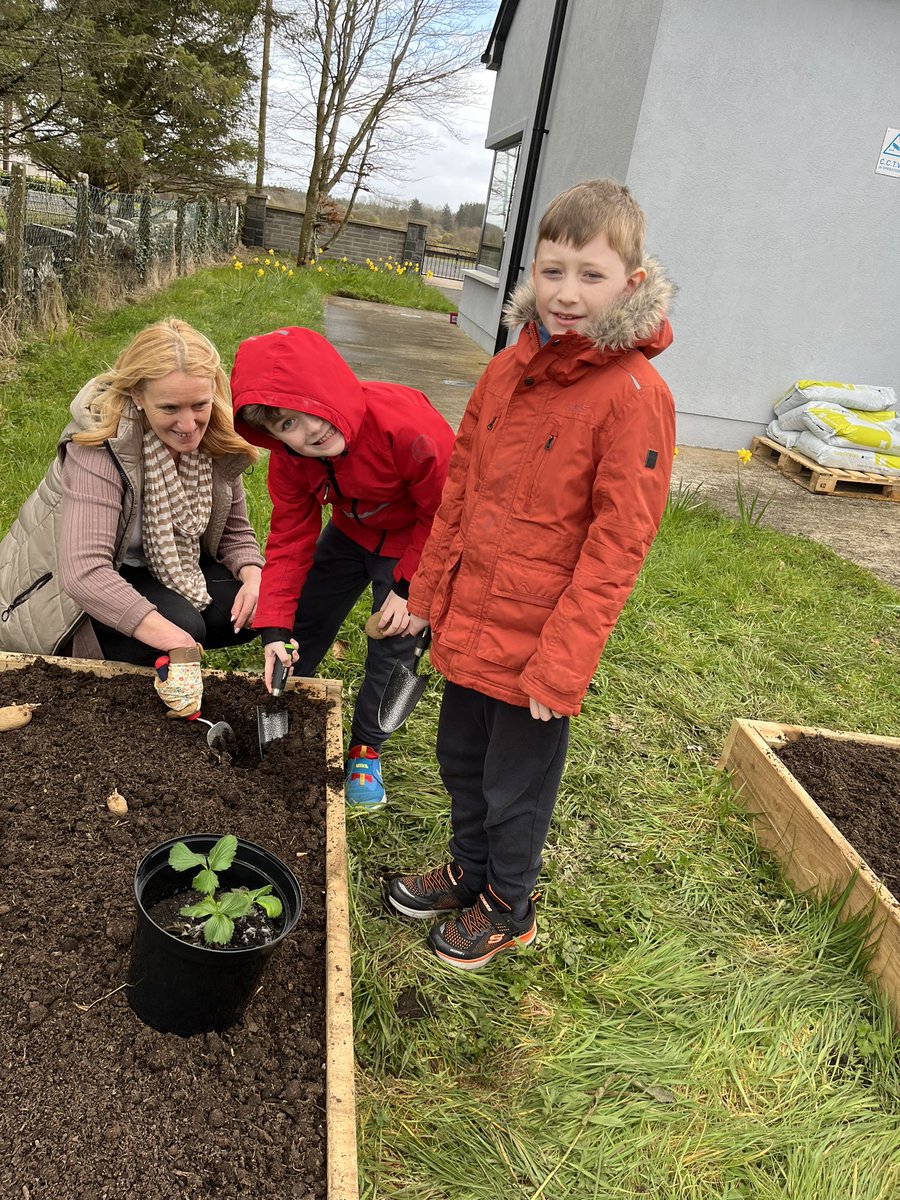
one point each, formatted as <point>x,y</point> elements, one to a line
<point>889,159</point>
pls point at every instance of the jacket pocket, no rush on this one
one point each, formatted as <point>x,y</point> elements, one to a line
<point>542,475</point>
<point>522,596</point>
<point>24,595</point>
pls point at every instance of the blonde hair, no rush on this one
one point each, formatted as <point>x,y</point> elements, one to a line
<point>169,345</point>
<point>597,206</point>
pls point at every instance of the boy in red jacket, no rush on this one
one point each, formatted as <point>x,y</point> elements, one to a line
<point>378,454</point>
<point>557,484</point>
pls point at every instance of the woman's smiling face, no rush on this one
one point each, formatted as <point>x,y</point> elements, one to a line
<point>177,408</point>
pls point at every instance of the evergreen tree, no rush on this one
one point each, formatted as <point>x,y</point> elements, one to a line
<point>131,93</point>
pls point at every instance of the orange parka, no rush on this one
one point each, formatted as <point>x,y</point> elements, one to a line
<point>556,487</point>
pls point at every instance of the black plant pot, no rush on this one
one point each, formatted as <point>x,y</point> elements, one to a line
<point>179,987</point>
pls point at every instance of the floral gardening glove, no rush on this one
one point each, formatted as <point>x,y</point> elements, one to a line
<point>179,682</point>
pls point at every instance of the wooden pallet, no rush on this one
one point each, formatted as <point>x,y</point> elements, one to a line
<point>825,481</point>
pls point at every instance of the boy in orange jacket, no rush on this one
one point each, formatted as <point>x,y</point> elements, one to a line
<point>556,487</point>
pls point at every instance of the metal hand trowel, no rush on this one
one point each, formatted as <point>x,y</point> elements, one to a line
<point>404,687</point>
<point>220,737</point>
<point>270,726</point>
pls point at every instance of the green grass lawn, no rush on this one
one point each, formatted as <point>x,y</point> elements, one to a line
<point>685,1025</point>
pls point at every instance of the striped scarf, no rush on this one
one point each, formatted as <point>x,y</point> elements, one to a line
<point>177,504</point>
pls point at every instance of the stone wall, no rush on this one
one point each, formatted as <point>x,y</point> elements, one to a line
<point>357,240</point>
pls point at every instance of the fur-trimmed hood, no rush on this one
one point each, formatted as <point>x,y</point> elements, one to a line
<point>635,321</point>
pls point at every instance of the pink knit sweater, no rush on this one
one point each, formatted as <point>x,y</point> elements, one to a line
<point>93,493</point>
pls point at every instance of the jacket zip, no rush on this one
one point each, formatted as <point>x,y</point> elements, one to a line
<point>331,483</point>
<point>23,596</point>
<point>539,471</point>
<point>130,491</point>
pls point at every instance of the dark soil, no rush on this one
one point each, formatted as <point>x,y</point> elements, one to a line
<point>95,1104</point>
<point>856,784</point>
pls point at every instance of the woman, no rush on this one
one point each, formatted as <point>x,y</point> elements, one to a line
<point>136,544</point>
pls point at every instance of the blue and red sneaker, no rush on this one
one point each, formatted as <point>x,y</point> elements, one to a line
<point>363,785</point>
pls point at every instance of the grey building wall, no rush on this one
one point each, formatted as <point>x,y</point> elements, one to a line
<point>749,132</point>
<point>755,159</point>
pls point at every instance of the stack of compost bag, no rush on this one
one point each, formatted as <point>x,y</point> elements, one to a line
<point>849,425</point>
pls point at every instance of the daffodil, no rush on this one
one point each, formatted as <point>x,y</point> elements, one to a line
<point>745,455</point>
<point>239,266</point>
<point>260,273</point>
<point>272,252</point>
<point>256,260</point>
<point>290,274</point>
<point>277,263</point>
<point>429,274</point>
<point>283,269</point>
<point>320,269</point>
<point>267,261</point>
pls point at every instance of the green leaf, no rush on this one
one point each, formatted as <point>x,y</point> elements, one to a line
<point>235,904</point>
<point>270,905</point>
<point>218,930</point>
<point>222,854</point>
<point>182,859</point>
<point>255,893</point>
<point>205,881</point>
<point>205,908</point>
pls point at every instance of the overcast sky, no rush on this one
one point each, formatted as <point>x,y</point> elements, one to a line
<point>445,171</point>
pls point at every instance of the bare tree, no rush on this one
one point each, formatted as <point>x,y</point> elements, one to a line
<point>365,69</point>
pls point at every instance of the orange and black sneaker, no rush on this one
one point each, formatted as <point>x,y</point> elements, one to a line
<point>431,895</point>
<point>472,940</point>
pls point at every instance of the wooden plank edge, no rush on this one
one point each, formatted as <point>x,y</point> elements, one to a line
<point>749,743</point>
<point>340,1087</point>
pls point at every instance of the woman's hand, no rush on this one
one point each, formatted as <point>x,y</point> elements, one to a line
<point>541,712</point>
<point>394,616</point>
<point>245,601</point>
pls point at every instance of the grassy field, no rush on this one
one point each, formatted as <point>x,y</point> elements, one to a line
<point>685,1026</point>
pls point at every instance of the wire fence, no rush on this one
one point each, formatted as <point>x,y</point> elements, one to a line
<point>58,244</point>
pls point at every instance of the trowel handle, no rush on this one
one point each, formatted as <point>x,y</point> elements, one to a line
<point>423,641</point>
<point>280,672</point>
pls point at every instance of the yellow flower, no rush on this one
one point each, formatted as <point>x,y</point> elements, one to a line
<point>344,259</point>
<point>256,260</point>
<point>268,260</point>
<point>429,274</point>
<point>239,266</point>
<point>272,252</point>
<point>400,270</point>
<point>290,274</point>
<point>320,268</point>
<point>277,263</point>
<point>389,266</point>
<point>283,269</point>
<point>745,455</point>
<point>260,273</point>
<point>417,267</point>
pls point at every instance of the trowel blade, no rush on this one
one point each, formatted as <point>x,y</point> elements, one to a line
<point>401,695</point>
<point>270,726</point>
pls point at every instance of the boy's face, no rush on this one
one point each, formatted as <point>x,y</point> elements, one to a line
<point>311,436</point>
<point>572,286</point>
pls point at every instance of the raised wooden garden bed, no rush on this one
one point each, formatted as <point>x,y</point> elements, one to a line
<point>814,855</point>
<point>96,1103</point>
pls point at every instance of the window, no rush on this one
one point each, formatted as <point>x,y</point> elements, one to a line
<point>499,202</point>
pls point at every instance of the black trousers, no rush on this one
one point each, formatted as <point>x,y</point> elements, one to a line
<point>502,769</point>
<point>212,628</point>
<point>340,573</point>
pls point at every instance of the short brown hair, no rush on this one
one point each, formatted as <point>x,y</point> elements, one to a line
<point>263,416</point>
<point>597,206</point>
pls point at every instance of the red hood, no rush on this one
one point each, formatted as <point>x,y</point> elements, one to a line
<point>298,369</point>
